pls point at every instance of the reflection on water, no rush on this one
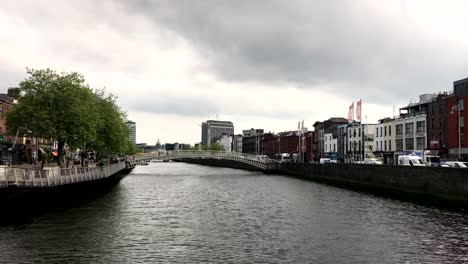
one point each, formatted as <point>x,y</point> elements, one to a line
<point>182,213</point>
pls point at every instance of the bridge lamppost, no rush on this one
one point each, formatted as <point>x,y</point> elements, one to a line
<point>12,149</point>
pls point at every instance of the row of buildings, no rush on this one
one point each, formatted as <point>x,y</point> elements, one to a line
<point>434,124</point>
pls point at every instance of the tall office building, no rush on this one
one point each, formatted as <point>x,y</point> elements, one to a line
<point>132,126</point>
<point>212,130</point>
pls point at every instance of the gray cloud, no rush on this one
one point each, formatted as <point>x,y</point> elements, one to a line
<point>344,45</point>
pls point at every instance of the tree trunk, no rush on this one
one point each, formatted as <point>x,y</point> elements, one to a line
<point>61,144</point>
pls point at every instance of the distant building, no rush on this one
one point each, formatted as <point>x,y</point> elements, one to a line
<point>456,127</point>
<point>437,136</point>
<point>226,142</point>
<point>322,128</point>
<point>212,131</point>
<point>384,140</point>
<point>410,126</point>
<point>237,143</point>
<point>132,126</point>
<point>252,141</point>
<point>361,138</point>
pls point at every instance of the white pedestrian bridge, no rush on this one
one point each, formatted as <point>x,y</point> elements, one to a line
<point>55,176</point>
<point>256,161</point>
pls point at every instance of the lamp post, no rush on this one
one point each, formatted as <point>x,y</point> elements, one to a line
<point>457,108</point>
<point>11,150</point>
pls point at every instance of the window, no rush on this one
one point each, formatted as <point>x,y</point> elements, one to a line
<point>420,143</point>
<point>359,132</point>
<point>385,131</point>
<point>390,145</point>
<point>462,122</point>
<point>334,147</point>
<point>381,134</point>
<point>433,123</point>
<point>385,145</point>
<point>389,130</point>
<point>409,128</point>
<point>359,149</point>
<point>399,144</point>
<point>399,129</point>
<point>377,132</point>
<point>460,104</point>
<point>462,138</point>
<point>420,126</point>
<point>409,144</point>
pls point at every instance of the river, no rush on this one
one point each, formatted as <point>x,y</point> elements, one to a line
<point>184,213</point>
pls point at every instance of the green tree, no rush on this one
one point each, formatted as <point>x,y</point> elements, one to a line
<point>62,108</point>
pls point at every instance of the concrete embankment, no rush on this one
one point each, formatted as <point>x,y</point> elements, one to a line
<point>431,185</point>
<point>446,187</point>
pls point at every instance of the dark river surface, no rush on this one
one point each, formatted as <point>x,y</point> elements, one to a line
<point>182,213</point>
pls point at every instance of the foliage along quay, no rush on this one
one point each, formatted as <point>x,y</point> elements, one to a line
<point>76,120</point>
<point>63,110</point>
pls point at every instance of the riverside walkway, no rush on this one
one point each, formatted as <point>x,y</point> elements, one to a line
<point>55,176</point>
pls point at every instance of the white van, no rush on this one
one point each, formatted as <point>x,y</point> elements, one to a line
<point>410,160</point>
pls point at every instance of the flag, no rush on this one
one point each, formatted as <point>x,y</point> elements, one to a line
<point>351,113</point>
<point>358,110</point>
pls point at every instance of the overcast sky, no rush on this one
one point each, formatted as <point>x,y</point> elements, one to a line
<point>262,64</point>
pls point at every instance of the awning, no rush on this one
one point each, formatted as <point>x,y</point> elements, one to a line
<point>55,153</point>
<point>42,150</point>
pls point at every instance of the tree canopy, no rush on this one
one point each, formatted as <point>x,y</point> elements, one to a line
<point>62,108</point>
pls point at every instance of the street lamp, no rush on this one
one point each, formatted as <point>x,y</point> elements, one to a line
<point>457,108</point>
<point>11,150</point>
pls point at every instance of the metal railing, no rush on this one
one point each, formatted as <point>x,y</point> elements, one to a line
<point>22,177</point>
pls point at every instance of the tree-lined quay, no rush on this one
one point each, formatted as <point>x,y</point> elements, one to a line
<point>62,110</point>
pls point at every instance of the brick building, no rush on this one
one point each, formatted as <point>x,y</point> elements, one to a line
<point>437,137</point>
<point>456,127</point>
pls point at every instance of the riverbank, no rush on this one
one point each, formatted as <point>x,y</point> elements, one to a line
<point>438,186</point>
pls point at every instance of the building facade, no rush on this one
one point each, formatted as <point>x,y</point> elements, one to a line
<point>212,131</point>
<point>436,125</point>
<point>252,141</point>
<point>322,128</point>
<point>226,142</point>
<point>132,127</point>
<point>384,143</point>
<point>456,119</point>
<point>361,141</point>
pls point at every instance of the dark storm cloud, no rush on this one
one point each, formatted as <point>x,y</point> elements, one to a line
<point>344,45</point>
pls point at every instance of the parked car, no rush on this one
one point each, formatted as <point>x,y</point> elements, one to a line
<point>456,164</point>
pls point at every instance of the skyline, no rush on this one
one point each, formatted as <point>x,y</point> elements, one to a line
<point>173,65</point>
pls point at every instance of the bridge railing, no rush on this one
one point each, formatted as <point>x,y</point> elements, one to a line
<point>200,153</point>
<point>22,177</point>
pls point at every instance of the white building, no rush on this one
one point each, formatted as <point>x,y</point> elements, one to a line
<point>226,142</point>
<point>385,135</point>
<point>132,126</point>
<point>361,138</point>
<point>410,133</point>
<point>330,144</point>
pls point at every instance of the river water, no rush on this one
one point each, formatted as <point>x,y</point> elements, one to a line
<point>184,213</point>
